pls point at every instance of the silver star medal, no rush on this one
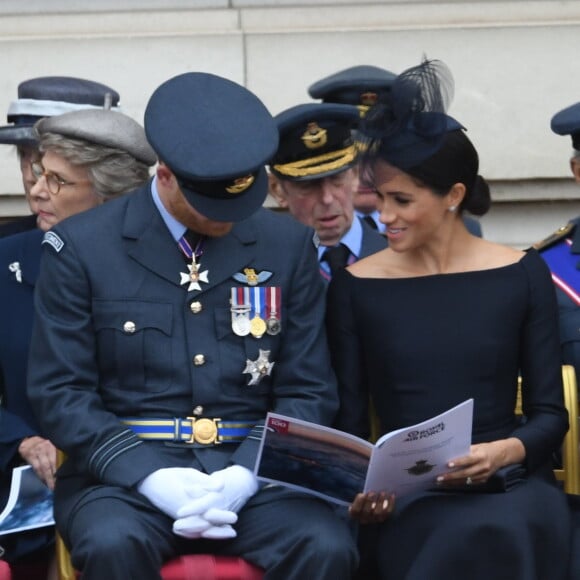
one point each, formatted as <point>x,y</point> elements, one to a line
<point>194,276</point>
<point>259,368</point>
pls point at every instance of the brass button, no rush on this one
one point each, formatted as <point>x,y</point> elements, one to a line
<point>129,327</point>
<point>196,307</point>
<point>198,360</point>
<point>198,410</point>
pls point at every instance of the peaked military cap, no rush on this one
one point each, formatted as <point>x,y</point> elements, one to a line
<point>47,96</point>
<point>567,122</point>
<point>315,141</point>
<point>216,137</point>
<point>103,127</point>
<point>362,86</point>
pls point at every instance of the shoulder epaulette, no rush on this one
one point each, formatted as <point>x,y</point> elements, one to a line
<point>559,234</point>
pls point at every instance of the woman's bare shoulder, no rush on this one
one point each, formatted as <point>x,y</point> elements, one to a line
<point>383,264</point>
<point>493,255</point>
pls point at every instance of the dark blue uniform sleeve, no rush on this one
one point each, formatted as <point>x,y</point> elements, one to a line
<point>13,429</point>
<point>63,382</point>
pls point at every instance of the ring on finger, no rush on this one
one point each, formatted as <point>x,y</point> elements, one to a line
<point>468,481</point>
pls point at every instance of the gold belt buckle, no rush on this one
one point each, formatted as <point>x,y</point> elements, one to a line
<point>204,431</point>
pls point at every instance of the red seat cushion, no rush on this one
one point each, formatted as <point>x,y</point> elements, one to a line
<point>5,571</point>
<point>209,567</point>
<point>22,571</point>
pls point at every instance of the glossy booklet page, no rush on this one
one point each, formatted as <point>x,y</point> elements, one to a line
<point>336,466</point>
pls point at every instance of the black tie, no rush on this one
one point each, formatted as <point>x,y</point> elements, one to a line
<point>371,222</point>
<point>337,257</point>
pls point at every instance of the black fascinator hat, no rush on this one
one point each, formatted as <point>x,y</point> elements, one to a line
<point>411,125</point>
<point>412,131</point>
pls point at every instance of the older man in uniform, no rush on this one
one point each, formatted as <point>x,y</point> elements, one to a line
<point>561,250</point>
<point>168,324</point>
<point>45,97</point>
<point>315,175</point>
<point>362,86</point>
<point>365,86</point>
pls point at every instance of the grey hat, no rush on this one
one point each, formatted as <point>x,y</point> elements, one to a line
<point>103,127</point>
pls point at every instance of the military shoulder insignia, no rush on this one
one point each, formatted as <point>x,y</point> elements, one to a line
<point>561,233</point>
<point>53,240</point>
<point>250,277</point>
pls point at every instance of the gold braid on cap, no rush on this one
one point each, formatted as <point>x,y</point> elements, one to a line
<point>319,164</point>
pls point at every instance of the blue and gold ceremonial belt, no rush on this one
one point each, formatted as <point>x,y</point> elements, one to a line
<point>203,431</point>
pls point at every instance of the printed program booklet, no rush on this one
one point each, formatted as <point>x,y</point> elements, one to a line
<point>29,504</point>
<point>336,466</point>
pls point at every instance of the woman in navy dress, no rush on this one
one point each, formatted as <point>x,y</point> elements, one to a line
<point>438,317</point>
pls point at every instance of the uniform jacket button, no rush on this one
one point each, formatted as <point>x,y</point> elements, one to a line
<point>129,327</point>
<point>196,307</point>
<point>198,360</point>
<point>198,411</point>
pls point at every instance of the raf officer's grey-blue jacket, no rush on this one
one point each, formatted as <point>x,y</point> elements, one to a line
<point>118,263</point>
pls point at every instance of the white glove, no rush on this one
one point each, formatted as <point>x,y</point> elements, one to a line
<point>215,527</point>
<point>235,486</point>
<point>172,488</point>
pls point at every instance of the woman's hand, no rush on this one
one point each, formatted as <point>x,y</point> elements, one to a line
<point>483,461</point>
<point>371,507</point>
<point>40,453</point>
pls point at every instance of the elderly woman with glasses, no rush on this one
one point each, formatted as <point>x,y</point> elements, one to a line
<point>89,157</point>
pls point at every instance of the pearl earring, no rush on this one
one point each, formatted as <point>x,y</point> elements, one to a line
<point>452,208</point>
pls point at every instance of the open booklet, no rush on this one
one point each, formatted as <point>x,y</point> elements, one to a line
<point>336,466</point>
<point>29,504</point>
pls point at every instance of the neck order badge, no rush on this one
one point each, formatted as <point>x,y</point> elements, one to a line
<point>194,276</point>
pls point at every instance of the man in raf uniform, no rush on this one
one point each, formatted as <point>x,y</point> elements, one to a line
<point>315,175</point>
<point>365,86</point>
<point>44,97</point>
<point>561,250</point>
<point>169,322</point>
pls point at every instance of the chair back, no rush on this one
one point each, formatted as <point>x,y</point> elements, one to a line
<point>569,473</point>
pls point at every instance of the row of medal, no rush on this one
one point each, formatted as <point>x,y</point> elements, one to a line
<point>256,310</point>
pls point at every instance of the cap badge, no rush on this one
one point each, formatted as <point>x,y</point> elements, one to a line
<point>314,137</point>
<point>369,99</point>
<point>251,278</point>
<point>259,368</point>
<point>240,184</point>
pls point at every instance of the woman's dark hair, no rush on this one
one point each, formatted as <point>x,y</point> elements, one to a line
<point>456,161</point>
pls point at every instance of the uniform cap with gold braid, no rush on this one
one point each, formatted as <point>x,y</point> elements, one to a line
<point>315,141</point>
<point>362,86</point>
<point>216,137</point>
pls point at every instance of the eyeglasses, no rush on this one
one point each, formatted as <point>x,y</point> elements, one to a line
<point>53,181</point>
